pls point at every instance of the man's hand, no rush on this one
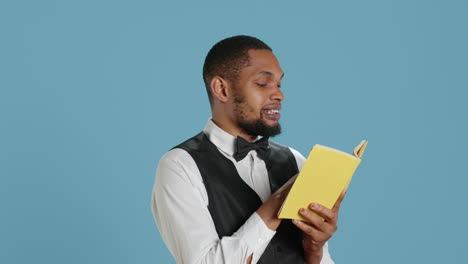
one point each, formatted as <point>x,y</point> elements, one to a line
<point>269,210</point>
<point>318,231</point>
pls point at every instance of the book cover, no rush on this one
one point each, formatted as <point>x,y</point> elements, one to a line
<point>326,173</point>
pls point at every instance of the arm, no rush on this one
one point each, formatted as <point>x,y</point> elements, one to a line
<point>179,205</point>
<point>269,210</point>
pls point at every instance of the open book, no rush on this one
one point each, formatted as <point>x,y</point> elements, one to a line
<point>326,173</point>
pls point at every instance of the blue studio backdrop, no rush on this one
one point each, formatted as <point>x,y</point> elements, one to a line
<point>93,93</point>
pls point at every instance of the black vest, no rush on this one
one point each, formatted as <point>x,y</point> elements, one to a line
<point>232,201</point>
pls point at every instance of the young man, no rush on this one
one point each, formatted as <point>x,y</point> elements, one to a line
<point>217,194</point>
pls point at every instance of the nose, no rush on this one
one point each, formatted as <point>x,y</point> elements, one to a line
<point>277,95</point>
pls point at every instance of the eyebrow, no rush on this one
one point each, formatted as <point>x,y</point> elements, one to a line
<point>270,74</point>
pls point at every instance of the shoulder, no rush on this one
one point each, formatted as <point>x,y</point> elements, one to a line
<point>174,156</point>
<point>175,166</point>
<point>296,153</point>
<point>193,143</point>
<point>300,160</point>
<point>178,159</point>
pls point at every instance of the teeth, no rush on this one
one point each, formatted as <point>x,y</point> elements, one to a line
<point>272,111</point>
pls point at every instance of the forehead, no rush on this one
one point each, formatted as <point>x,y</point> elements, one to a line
<point>263,62</point>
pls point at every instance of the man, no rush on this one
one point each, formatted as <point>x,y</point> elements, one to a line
<point>217,195</point>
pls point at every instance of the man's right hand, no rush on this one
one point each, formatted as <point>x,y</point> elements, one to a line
<point>269,210</point>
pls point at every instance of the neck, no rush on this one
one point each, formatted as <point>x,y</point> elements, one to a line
<point>233,129</point>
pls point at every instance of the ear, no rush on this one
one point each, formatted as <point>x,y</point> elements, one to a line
<point>220,89</point>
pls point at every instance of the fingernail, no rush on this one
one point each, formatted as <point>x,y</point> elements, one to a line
<point>314,206</point>
<point>304,211</point>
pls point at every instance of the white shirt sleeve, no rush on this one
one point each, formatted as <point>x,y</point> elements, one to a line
<point>179,204</point>
<point>300,160</point>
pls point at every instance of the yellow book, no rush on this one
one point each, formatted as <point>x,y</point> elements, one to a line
<point>326,173</point>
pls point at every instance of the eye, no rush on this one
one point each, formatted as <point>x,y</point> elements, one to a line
<point>262,84</point>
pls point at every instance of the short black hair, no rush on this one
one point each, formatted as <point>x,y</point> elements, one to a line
<point>227,58</point>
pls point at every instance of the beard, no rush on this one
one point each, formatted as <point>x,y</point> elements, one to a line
<point>259,128</point>
<point>256,127</point>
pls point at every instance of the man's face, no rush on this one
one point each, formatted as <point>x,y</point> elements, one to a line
<point>257,95</point>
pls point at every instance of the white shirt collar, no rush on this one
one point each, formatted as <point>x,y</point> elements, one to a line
<point>220,138</point>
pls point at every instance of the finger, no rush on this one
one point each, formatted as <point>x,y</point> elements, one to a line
<point>307,229</point>
<point>327,214</point>
<point>337,205</point>
<point>314,219</point>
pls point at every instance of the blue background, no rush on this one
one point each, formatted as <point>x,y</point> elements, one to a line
<point>94,92</point>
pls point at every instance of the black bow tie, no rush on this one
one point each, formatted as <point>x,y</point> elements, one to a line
<point>243,147</point>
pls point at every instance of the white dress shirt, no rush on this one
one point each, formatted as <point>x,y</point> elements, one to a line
<point>180,207</point>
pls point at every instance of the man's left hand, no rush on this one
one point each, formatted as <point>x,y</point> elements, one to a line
<point>318,230</point>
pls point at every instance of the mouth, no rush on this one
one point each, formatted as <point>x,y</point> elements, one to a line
<point>272,112</point>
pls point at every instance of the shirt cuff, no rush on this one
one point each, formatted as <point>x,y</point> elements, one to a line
<point>255,233</point>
